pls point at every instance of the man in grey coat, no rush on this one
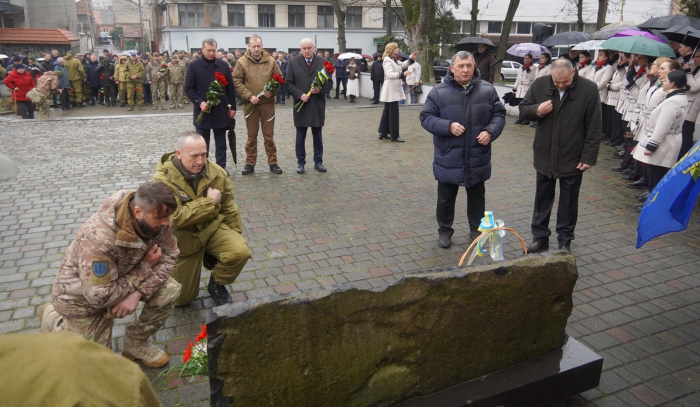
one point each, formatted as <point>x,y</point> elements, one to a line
<point>301,72</point>
<point>568,114</point>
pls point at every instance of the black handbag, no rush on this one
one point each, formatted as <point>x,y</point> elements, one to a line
<point>418,89</point>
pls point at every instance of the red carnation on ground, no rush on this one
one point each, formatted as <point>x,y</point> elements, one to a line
<point>203,334</point>
<point>220,78</point>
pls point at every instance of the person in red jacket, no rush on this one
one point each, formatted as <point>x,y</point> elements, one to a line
<point>20,82</point>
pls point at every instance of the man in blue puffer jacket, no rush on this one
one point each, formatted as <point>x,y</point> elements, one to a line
<point>464,114</point>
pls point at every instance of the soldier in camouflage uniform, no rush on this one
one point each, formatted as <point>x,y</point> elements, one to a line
<point>48,86</point>
<point>207,221</point>
<point>177,79</point>
<point>134,75</point>
<point>158,80</point>
<point>122,255</point>
<point>185,61</point>
<point>120,78</point>
<point>76,76</point>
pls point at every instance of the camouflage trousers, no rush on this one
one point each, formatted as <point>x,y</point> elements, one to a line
<point>98,328</point>
<point>44,108</point>
<point>122,92</point>
<point>228,246</point>
<point>176,94</point>
<point>132,88</point>
<point>76,93</point>
<point>159,89</point>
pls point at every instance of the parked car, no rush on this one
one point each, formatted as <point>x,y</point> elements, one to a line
<point>440,68</point>
<point>509,70</point>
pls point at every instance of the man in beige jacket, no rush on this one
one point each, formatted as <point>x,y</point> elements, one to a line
<point>252,72</point>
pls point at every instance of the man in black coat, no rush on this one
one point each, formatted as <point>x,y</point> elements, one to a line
<point>282,94</point>
<point>377,77</point>
<point>301,72</point>
<point>200,74</point>
<point>568,114</point>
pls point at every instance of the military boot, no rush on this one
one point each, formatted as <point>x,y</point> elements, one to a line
<point>164,107</point>
<point>145,351</point>
<point>131,108</point>
<point>141,107</point>
<point>48,317</point>
<point>155,106</point>
<point>172,106</point>
<point>179,106</point>
<point>219,293</point>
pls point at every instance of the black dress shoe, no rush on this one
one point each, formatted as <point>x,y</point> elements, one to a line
<point>607,143</point>
<point>627,171</point>
<point>275,169</point>
<point>374,103</point>
<point>444,241</point>
<point>383,137</point>
<point>219,293</point>
<point>398,140</point>
<point>526,122</point>
<point>620,147</point>
<point>643,197</point>
<point>618,169</point>
<point>248,169</point>
<point>618,155</point>
<point>629,177</point>
<point>319,167</point>
<point>518,121</point>
<point>335,97</point>
<point>300,169</point>
<point>538,246</point>
<point>639,184</point>
<point>565,248</point>
<point>639,204</point>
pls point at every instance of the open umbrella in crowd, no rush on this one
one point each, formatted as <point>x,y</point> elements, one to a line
<point>520,50</point>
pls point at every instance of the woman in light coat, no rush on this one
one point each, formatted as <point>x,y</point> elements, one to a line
<point>662,139</point>
<point>693,94</point>
<point>584,65</point>
<point>615,131</point>
<point>543,69</point>
<point>392,92</point>
<point>353,71</point>
<point>526,75</point>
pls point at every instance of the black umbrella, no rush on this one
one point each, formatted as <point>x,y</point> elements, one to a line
<point>231,134</point>
<point>470,44</point>
<point>566,38</point>
<point>686,35</point>
<point>663,23</point>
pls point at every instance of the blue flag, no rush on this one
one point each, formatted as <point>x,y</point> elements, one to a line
<point>671,203</point>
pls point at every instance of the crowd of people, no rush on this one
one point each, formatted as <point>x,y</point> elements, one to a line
<point>649,107</point>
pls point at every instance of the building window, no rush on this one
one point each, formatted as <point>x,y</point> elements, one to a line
<point>353,17</point>
<point>191,15</point>
<point>563,27</point>
<point>325,17</point>
<point>466,26</point>
<point>495,27</point>
<point>236,15</point>
<point>524,28</point>
<point>589,28</point>
<point>394,14</point>
<point>266,15</point>
<point>296,16</point>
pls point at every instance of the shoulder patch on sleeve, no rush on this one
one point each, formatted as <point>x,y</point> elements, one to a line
<point>182,194</point>
<point>100,266</point>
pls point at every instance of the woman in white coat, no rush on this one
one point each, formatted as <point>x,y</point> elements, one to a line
<point>693,94</point>
<point>392,92</point>
<point>526,75</point>
<point>601,75</point>
<point>662,139</point>
<point>615,131</point>
<point>543,69</point>
<point>584,65</point>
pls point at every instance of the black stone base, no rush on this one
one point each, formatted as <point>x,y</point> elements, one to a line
<point>545,379</point>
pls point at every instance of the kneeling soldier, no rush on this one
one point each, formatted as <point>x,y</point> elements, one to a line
<point>207,222</point>
<point>122,255</point>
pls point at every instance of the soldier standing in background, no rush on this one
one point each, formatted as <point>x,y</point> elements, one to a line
<point>76,76</point>
<point>120,78</point>
<point>185,61</point>
<point>108,85</point>
<point>134,77</point>
<point>176,78</point>
<point>121,256</point>
<point>158,79</point>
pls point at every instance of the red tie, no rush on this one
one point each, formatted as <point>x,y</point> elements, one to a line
<point>308,65</point>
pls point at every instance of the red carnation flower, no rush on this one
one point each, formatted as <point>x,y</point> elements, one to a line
<point>220,78</point>
<point>164,66</point>
<point>278,79</point>
<point>136,89</point>
<point>328,67</point>
<point>230,69</point>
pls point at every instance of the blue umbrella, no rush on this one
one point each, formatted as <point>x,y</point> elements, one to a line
<point>520,50</point>
<point>671,203</point>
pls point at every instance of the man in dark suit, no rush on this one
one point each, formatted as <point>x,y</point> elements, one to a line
<point>301,72</point>
<point>200,74</point>
<point>282,94</point>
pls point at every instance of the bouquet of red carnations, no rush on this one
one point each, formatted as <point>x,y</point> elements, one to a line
<point>162,70</point>
<point>275,82</point>
<point>323,76</point>
<point>216,89</point>
<point>195,358</point>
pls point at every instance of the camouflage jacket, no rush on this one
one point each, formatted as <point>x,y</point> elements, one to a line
<point>197,217</point>
<point>133,70</point>
<point>152,72</point>
<point>105,263</point>
<point>48,83</point>
<point>177,72</point>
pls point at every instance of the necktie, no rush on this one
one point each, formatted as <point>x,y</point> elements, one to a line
<point>308,65</point>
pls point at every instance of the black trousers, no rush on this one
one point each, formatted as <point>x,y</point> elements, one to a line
<point>341,81</point>
<point>65,98</point>
<point>301,145</point>
<point>445,212</point>
<point>148,98</point>
<point>110,92</point>
<point>389,123</point>
<point>656,173</point>
<point>617,130</point>
<point>687,130</point>
<point>607,119</point>
<point>219,139</point>
<point>627,159</point>
<point>25,109</point>
<point>377,85</point>
<point>567,213</point>
<point>94,93</point>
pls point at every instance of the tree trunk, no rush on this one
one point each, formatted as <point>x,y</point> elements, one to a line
<point>427,10</point>
<point>579,21</point>
<point>340,16</point>
<point>475,15</point>
<point>387,17</point>
<point>602,11</point>
<point>505,33</point>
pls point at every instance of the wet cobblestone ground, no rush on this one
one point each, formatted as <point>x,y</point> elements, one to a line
<point>367,221</point>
